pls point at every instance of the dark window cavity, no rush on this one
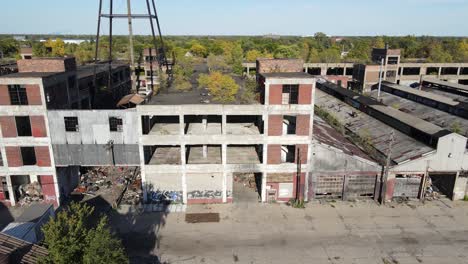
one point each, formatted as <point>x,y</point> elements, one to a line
<point>18,95</point>
<point>115,124</point>
<point>29,156</point>
<point>290,94</point>
<point>71,124</point>
<point>23,126</point>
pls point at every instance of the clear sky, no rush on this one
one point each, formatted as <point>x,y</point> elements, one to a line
<point>246,17</point>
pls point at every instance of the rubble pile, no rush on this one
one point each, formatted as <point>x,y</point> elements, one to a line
<point>432,192</point>
<point>31,192</point>
<point>134,193</point>
<point>247,179</point>
<point>116,185</point>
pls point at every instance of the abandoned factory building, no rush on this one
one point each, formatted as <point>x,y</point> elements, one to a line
<point>305,137</point>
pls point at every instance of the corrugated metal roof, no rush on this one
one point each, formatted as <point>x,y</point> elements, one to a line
<point>20,251</point>
<point>404,147</point>
<point>18,229</point>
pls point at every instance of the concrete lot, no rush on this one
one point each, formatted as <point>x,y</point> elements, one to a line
<point>360,232</point>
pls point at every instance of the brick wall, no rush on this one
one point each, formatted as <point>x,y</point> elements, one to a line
<point>4,95</point>
<point>281,65</point>
<point>8,125</point>
<point>38,126</point>
<point>303,150</point>
<point>302,125</point>
<point>42,156</point>
<point>274,154</point>
<point>48,189</point>
<point>14,156</point>
<point>34,94</point>
<point>276,94</point>
<point>275,125</point>
<point>305,94</point>
<point>47,65</point>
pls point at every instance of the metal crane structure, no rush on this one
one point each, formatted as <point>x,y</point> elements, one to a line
<point>152,16</point>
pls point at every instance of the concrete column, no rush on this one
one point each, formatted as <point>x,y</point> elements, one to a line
<point>440,72</point>
<point>10,190</point>
<point>223,124</point>
<point>344,71</point>
<point>181,125</point>
<point>182,160</point>
<point>205,127</point>
<point>224,162</point>
<point>459,71</point>
<point>306,69</point>
<point>248,71</point>
<point>323,70</point>
<point>33,178</point>
<point>265,156</point>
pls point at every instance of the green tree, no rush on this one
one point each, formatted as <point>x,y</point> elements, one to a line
<point>69,234</point>
<point>330,55</point>
<point>217,63</point>
<point>56,46</point>
<point>253,55</point>
<point>198,50</point>
<point>181,84</point>
<point>237,57</point>
<point>379,42</point>
<point>314,55</point>
<point>438,54</point>
<point>223,87</point>
<point>102,247</point>
<point>287,52</point>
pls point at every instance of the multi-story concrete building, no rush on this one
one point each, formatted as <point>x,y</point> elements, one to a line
<point>26,98</point>
<point>395,71</point>
<point>195,151</point>
<point>192,149</point>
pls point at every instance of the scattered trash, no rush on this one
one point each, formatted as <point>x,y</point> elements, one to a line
<point>30,193</point>
<point>110,182</point>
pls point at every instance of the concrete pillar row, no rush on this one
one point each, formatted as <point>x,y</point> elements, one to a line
<point>224,162</point>
<point>10,190</point>
<point>183,161</point>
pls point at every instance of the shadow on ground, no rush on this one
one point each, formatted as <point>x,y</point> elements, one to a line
<point>5,216</point>
<point>137,230</point>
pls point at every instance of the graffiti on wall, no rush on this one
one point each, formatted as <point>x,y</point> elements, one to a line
<point>205,194</point>
<point>165,196</point>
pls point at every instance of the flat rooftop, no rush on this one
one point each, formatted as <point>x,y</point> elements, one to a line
<point>404,147</point>
<point>194,97</point>
<point>288,75</point>
<point>446,84</point>
<point>423,94</point>
<point>456,97</point>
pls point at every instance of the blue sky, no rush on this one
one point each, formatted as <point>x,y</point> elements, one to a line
<point>246,17</point>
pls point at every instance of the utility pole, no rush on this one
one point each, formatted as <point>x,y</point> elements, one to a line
<point>130,35</point>
<point>387,167</point>
<point>380,78</point>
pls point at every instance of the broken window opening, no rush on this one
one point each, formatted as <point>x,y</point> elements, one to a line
<point>289,125</point>
<point>23,126</point>
<point>29,156</point>
<point>4,188</point>
<point>288,154</point>
<point>115,124</point>
<point>18,95</point>
<point>71,124</point>
<point>290,94</point>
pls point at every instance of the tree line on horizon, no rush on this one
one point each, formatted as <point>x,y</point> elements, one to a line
<point>237,49</point>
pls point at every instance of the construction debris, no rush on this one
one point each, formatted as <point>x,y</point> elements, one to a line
<point>110,183</point>
<point>31,192</point>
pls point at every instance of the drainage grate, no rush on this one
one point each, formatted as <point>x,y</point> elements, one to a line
<point>202,218</point>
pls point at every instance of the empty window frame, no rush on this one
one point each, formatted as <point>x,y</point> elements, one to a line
<point>71,124</point>
<point>288,154</point>
<point>4,187</point>
<point>23,126</point>
<point>18,95</point>
<point>28,155</point>
<point>115,124</point>
<point>290,94</point>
